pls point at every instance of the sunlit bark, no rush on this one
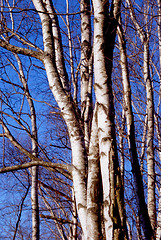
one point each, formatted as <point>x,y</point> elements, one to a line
<point>104,40</point>
<point>150,137</point>
<point>70,116</point>
<point>86,69</point>
<point>158,229</point>
<point>94,185</point>
<point>98,180</point>
<point>57,44</point>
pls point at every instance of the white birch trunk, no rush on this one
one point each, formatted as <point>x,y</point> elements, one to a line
<point>70,116</point>
<point>121,140</point>
<point>57,43</point>
<point>104,124</point>
<point>94,185</point>
<point>85,49</point>
<point>143,144</point>
<point>150,137</point>
<point>76,139</point>
<point>34,202</point>
<point>34,170</point>
<point>140,199</point>
<point>150,124</point>
<point>104,40</point>
<point>70,44</point>
<point>158,230</point>
<point>86,69</point>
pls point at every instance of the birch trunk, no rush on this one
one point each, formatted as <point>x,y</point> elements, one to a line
<point>139,190</point>
<point>86,69</point>
<point>104,40</point>
<point>57,44</point>
<point>94,186</point>
<point>121,142</point>
<point>34,169</point>
<point>150,114</point>
<point>104,124</point>
<point>150,137</point>
<point>34,202</point>
<point>76,138</point>
<point>103,189</point>
<point>70,115</point>
<point>158,230</point>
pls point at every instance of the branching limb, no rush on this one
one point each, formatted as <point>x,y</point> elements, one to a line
<point>20,50</point>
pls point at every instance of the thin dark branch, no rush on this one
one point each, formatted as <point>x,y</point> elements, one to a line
<point>20,212</point>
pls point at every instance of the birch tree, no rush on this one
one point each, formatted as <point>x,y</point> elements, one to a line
<point>144,36</point>
<point>141,205</point>
<point>158,232</point>
<point>80,61</point>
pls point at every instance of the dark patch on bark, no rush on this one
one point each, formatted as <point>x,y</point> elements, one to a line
<point>102,154</point>
<point>105,139</point>
<point>96,85</point>
<point>80,206</point>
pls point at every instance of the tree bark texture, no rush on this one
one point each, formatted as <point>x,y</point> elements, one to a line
<point>98,181</point>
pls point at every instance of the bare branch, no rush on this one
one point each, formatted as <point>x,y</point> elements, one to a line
<point>20,50</point>
<point>37,163</point>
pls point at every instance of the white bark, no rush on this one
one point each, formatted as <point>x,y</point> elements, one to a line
<point>70,46</point>
<point>104,124</point>
<point>121,140</point>
<point>129,231</point>
<point>94,193</point>
<point>86,68</point>
<point>150,137</point>
<point>143,144</point>
<point>57,42</point>
<point>70,116</point>
<point>159,34</point>
<point>76,138</point>
<point>34,170</point>
<point>158,230</point>
<point>34,202</point>
<point>104,40</point>
<point>85,49</point>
